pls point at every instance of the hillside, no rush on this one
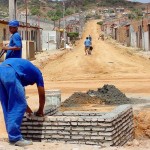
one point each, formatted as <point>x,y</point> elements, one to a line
<point>52,10</point>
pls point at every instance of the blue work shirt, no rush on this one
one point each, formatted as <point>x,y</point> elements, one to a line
<point>15,40</point>
<point>87,42</point>
<point>27,72</point>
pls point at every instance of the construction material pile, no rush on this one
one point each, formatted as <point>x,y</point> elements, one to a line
<point>78,98</point>
<point>108,95</point>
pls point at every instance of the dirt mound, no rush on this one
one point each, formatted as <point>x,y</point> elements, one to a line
<point>79,98</point>
<point>142,124</point>
<point>110,95</point>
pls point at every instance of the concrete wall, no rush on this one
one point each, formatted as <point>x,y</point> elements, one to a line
<point>94,128</point>
<point>28,53</point>
<point>145,41</point>
<point>133,38</point>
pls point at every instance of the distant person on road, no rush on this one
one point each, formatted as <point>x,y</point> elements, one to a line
<point>15,73</point>
<point>101,36</point>
<point>90,38</point>
<point>14,48</point>
<point>87,44</point>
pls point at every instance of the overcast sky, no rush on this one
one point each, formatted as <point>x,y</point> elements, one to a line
<point>142,1</point>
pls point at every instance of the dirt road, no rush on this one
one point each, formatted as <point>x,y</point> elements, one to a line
<point>109,63</point>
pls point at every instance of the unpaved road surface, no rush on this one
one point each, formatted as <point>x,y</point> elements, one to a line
<point>110,63</point>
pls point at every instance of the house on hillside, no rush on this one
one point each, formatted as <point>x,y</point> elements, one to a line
<point>146,34</point>
<point>107,28</point>
<point>135,33</point>
<point>140,34</point>
<point>119,9</point>
<point>123,33</point>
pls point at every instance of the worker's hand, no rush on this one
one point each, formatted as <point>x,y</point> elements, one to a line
<point>39,113</point>
<point>5,48</point>
<point>28,110</point>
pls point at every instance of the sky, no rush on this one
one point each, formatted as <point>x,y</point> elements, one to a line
<point>142,1</point>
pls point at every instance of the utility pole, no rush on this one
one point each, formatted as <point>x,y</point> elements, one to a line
<point>147,11</point>
<point>26,5</point>
<point>64,24</point>
<point>12,9</point>
<point>26,19</point>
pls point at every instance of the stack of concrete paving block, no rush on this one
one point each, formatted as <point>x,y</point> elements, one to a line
<point>108,129</point>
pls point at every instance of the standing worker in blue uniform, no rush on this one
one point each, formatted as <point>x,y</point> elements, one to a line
<point>15,73</point>
<point>14,49</point>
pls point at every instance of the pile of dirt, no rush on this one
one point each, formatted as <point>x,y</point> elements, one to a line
<point>79,98</point>
<point>142,124</point>
<point>110,95</point>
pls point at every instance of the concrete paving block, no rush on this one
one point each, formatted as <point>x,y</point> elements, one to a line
<point>52,118</point>
<point>63,132</point>
<point>67,119</point>
<point>94,123</point>
<point>51,132</point>
<point>105,124</point>
<point>88,128</point>
<point>68,128</point>
<point>94,119</point>
<point>84,123</point>
<point>57,136</point>
<point>84,133</point>
<point>77,137</point>
<point>75,132</point>
<point>64,123</point>
<point>78,128</point>
<point>97,138</point>
<point>74,123</point>
<point>101,119</point>
<point>37,123</point>
<point>91,143</point>
<point>54,127</point>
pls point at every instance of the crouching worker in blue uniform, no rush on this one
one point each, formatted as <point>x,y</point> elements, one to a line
<point>15,73</point>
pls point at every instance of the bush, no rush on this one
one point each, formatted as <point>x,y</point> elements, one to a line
<point>73,35</point>
<point>100,23</point>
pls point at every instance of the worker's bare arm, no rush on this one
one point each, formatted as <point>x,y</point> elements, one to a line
<point>12,48</point>
<point>41,92</point>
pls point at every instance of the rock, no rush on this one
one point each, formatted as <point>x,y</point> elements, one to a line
<point>136,142</point>
<point>129,143</point>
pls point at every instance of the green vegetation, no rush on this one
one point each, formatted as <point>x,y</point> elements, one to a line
<point>100,22</point>
<point>135,14</point>
<point>35,11</point>
<point>110,3</point>
<point>49,9</point>
<point>73,35</point>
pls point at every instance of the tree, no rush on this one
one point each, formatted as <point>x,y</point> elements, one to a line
<point>35,11</point>
<point>54,19</point>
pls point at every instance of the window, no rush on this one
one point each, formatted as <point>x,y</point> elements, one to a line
<point>4,34</point>
<point>127,32</point>
<point>32,35</point>
<point>140,32</point>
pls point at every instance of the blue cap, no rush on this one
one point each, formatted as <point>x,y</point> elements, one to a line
<point>13,23</point>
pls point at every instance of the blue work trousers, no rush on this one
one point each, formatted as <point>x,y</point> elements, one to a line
<point>12,97</point>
